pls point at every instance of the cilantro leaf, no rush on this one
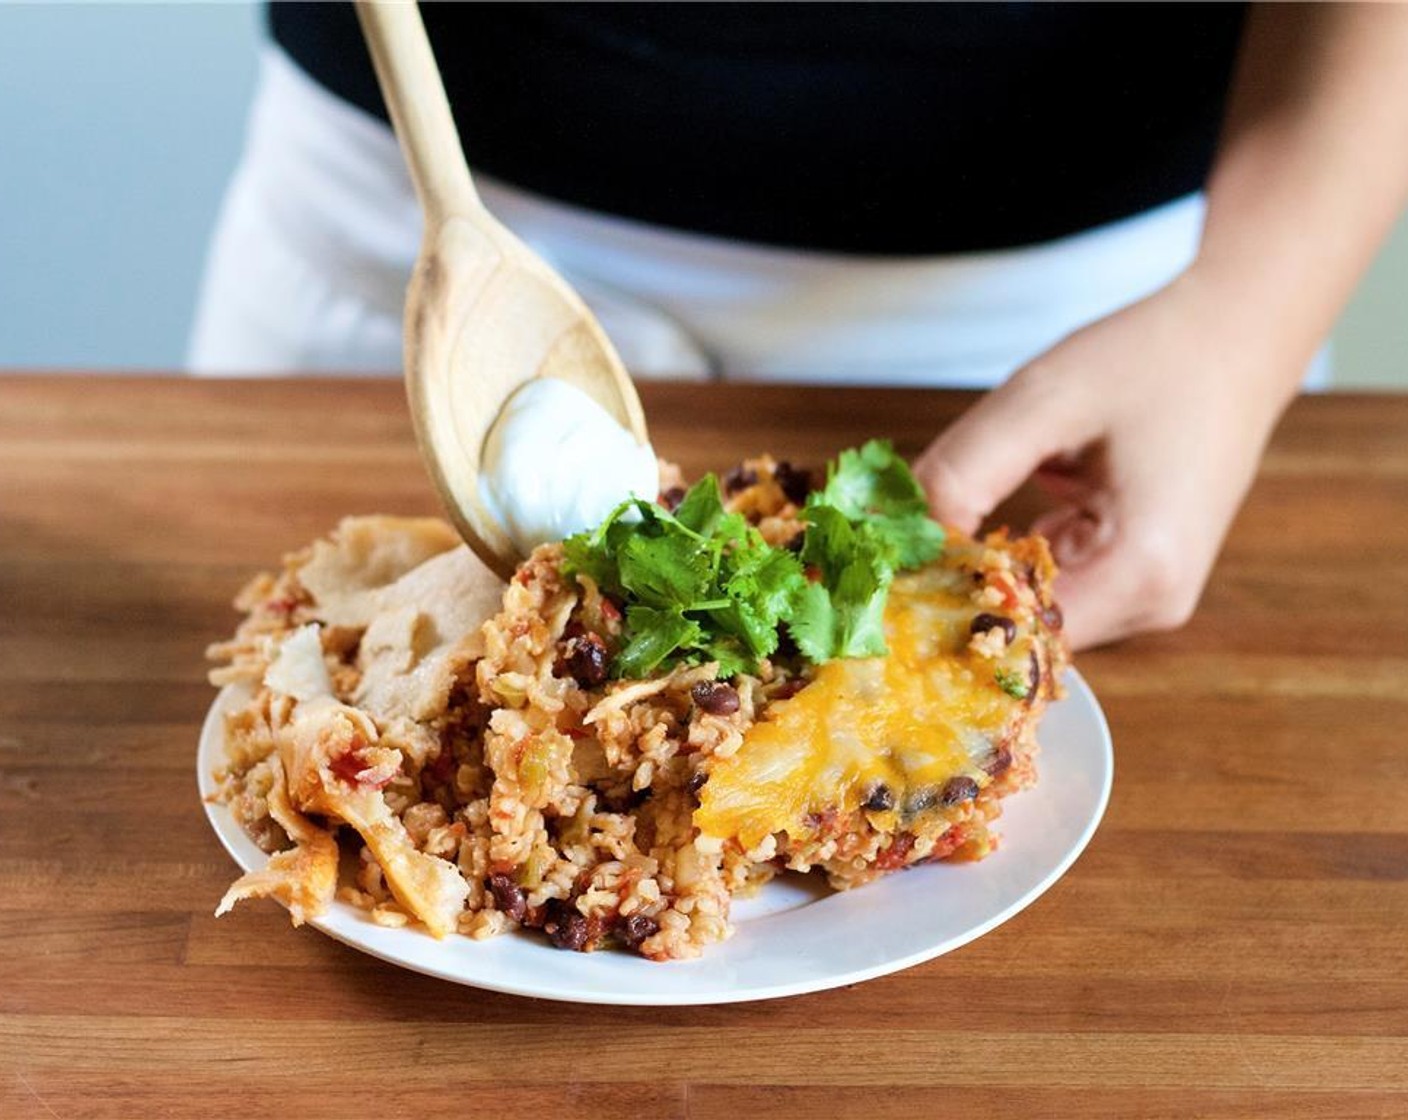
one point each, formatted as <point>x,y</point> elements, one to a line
<point>855,571</point>
<point>702,507</point>
<point>909,542</point>
<point>813,624</point>
<point>594,553</point>
<point>582,554</point>
<point>761,582</point>
<point>873,484</point>
<point>872,479</point>
<point>1012,683</point>
<point>701,584</point>
<point>662,564</point>
<point>731,655</point>
<point>655,634</point>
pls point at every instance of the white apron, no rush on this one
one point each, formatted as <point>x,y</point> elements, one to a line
<point>309,262</point>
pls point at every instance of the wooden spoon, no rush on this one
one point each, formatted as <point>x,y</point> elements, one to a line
<point>484,314</point>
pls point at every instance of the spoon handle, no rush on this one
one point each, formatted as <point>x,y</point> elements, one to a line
<point>420,111</point>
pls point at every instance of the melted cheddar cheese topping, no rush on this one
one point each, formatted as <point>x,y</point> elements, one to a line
<point>907,723</point>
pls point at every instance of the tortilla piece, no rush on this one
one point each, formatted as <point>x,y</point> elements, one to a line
<point>430,888</point>
<point>304,877</point>
<point>425,630</point>
<point>345,572</point>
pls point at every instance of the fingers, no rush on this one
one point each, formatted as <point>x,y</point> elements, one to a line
<point>1137,525</point>
<point>1117,579</point>
<point>996,445</point>
<point>1083,543</point>
<point>1078,534</point>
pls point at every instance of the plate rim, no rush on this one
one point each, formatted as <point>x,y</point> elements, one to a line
<point>224,826</point>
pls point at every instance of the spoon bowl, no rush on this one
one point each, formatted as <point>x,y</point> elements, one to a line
<point>485,315</point>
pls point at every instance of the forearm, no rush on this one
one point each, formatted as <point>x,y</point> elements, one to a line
<point>1311,172</point>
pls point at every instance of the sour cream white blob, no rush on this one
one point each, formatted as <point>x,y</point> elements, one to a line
<point>556,463</point>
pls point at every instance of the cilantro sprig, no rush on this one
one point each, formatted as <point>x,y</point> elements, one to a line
<point>872,485</point>
<point>701,584</point>
<point>870,521</point>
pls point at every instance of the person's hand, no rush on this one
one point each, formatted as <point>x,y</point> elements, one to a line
<point>1145,430</point>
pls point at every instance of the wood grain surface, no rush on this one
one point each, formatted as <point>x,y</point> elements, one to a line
<point>1233,943</point>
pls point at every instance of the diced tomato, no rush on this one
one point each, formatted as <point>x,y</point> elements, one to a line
<point>354,768</point>
<point>348,765</point>
<point>893,857</point>
<point>948,843</point>
<point>1004,587</point>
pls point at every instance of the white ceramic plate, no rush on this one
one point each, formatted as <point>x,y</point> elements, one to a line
<point>795,936</point>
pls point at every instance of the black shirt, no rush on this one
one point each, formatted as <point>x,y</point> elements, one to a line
<point>856,128</point>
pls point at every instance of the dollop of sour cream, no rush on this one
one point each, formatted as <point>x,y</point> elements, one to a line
<point>556,463</point>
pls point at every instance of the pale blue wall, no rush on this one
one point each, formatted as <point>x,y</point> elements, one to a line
<point>119,125</point>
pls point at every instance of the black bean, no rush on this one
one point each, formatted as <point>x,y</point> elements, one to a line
<point>672,497</point>
<point>999,762</point>
<point>920,800</point>
<point>739,478</point>
<point>587,660</point>
<point>566,926</point>
<point>984,622</point>
<point>715,698</point>
<point>637,928</point>
<point>796,482</point>
<point>1051,616</point>
<point>696,781</point>
<point>880,798</point>
<point>1035,675</point>
<point>508,896</point>
<point>960,789</point>
<point>788,689</point>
